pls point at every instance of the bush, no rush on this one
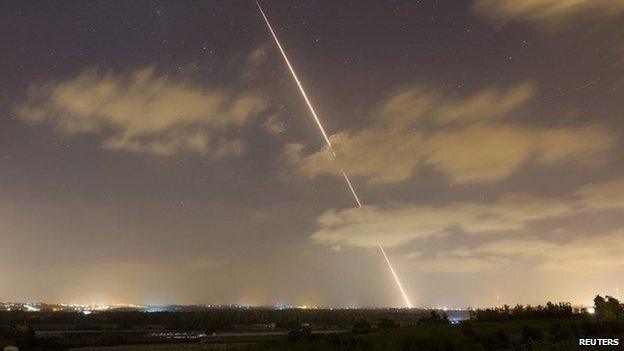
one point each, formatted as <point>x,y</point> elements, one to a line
<point>386,323</point>
<point>530,335</point>
<point>361,327</point>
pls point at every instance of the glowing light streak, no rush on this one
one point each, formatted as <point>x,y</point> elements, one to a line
<point>571,91</point>
<point>310,107</point>
<point>328,142</point>
<point>396,278</point>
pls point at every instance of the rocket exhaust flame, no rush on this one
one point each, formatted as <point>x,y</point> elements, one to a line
<point>329,144</point>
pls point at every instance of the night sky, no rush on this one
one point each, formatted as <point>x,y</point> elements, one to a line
<point>159,152</point>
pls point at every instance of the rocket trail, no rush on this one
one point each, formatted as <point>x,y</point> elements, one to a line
<point>568,92</point>
<point>328,142</point>
<point>307,100</point>
<point>407,301</point>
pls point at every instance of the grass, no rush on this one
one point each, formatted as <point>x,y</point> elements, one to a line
<point>540,334</point>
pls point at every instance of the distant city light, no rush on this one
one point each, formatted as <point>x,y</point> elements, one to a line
<point>31,308</point>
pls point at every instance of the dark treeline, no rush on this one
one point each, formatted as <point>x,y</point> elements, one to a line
<point>549,327</point>
<point>208,320</point>
<point>550,310</point>
<point>434,318</point>
<point>606,308</point>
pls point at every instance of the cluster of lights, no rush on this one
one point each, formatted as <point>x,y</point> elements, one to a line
<point>282,306</point>
<point>61,307</point>
<point>17,306</point>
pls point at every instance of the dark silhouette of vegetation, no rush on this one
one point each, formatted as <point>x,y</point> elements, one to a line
<point>608,308</point>
<point>299,334</point>
<point>434,318</point>
<point>530,335</point>
<point>209,320</point>
<point>386,323</point>
<point>361,327</point>
<point>559,332</point>
<point>550,310</point>
<point>29,339</point>
<point>548,327</point>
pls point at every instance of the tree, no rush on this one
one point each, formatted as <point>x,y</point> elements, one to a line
<point>608,309</point>
<point>614,308</point>
<point>600,307</point>
<point>435,318</point>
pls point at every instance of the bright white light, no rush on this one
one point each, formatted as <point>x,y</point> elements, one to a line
<point>305,97</point>
<point>86,312</point>
<point>30,308</point>
<point>591,310</point>
<point>396,278</point>
<point>327,141</point>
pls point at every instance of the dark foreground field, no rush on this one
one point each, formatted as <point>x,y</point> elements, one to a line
<point>551,334</point>
<point>549,327</point>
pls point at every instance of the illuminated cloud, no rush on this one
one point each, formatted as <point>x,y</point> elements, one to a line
<point>397,225</point>
<point>551,14</point>
<point>469,139</point>
<point>273,125</point>
<point>394,226</point>
<point>491,153</point>
<point>143,112</point>
<point>584,254</point>
<point>448,262</point>
<point>604,195</point>
<point>255,63</point>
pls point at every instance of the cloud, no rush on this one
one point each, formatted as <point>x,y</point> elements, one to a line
<point>550,14</point>
<point>470,139</point>
<point>273,125</point>
<point>448,263</point>
<point>511,213</point>
<point>203,262</point>
<point>256,62</point>
<point>585,254</point>
<point>487,153</point>
<point>604,195</point>
<point>394,226</point>
<point>143,112</point>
